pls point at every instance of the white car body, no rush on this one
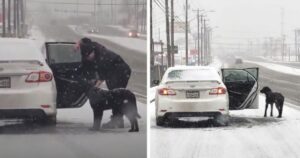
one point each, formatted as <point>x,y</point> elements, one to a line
<point>206,81</point>
<point>28,94</point>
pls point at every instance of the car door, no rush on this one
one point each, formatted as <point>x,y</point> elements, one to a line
<point>64,60</point>
<point>242,87</point>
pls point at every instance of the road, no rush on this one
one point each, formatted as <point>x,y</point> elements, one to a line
<point>71,137</point>
<point>287,84</point>
<point>249,134</point>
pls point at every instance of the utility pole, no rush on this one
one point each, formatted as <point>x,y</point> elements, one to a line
<point>3,19</point>
<point>186,33</point>
<point>172,33</point>
<point>137,14</point>
<point>15,17</point>
<point>95,17</point>
<point>151,36</point>
<point>168,33</point>
<point>18,17</point>
<point>198,34</point>
<point>77,5</point>
<point>282,34</point>
<point>111,12</point>
<point>22,18</point>
<point>201,36</point>
<point>296,45</point>
<point>9,18</point>
<point>204,42</point>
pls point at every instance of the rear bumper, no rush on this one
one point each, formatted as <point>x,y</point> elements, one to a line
<point>22,113</point>
<point>186,107</point>
<point>29,99</point>
<point>171,115</point>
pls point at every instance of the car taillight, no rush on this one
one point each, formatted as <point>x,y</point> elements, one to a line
<point>166,91</point>
<point>217,91</point>
<point>41,76</point>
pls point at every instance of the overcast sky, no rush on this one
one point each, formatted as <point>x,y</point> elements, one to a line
<point>239,21</point>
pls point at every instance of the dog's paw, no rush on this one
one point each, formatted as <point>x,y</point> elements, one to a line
<point>278,116</point>
<point>265,115</point>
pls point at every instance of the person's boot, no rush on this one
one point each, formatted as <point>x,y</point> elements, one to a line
<point>115,122</point>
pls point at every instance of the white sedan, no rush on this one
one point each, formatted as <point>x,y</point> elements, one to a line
<point>31,86</point>
<point>193,91</point>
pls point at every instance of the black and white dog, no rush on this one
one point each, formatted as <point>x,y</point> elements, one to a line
<point>120,100</point>
<point>271,98</point>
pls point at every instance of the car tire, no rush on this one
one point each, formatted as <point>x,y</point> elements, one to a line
<point>160,121</point>
<point>221,120</point>
<point>49,120</point>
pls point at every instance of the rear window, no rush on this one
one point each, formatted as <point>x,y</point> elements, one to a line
<point>63,53</point>
<point>19,50</point>
<point>193,75</point>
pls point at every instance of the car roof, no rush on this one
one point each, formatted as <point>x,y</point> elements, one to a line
<point>19,49</point>
<point>182,67</point>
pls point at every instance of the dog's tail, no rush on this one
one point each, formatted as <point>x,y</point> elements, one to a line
<point>138,116</point>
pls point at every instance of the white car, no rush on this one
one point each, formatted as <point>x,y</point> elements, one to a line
<point>29,85</point>
<point>193,91</point>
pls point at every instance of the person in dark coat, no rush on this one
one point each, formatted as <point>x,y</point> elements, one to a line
<point>103,64</point>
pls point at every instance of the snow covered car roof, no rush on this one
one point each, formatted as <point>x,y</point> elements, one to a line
<point>19,49</point>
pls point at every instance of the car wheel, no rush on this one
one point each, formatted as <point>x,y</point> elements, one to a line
<point>221,120</point>
<point>49,120</point>
<point>160,121</point>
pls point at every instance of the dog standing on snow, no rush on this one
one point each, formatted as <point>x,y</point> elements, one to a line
<point>121,100</point>
<point>271,98</point>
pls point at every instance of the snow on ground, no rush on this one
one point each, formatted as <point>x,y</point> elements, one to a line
<point>278,59</point>
<point>277,67</point>
<point>131,43</point>
<point>249,135</point>
<point>84,115</point>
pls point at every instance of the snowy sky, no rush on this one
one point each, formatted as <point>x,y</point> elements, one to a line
<point>239,21</point>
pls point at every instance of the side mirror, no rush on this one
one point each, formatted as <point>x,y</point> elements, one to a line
<point>155,82</point>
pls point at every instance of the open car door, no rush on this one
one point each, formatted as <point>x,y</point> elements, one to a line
<point>65,60</point>
<point>242,86</point>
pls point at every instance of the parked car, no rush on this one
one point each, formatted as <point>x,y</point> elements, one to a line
<point>193,91</point>
<point>133,33</point>
<point>27,87</point>
<point>32,87</point>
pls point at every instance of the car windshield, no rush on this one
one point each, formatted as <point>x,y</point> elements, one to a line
<point>63,53</point>
<point>193,75</point>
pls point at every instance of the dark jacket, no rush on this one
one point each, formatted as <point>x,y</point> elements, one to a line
<point>108,64</point>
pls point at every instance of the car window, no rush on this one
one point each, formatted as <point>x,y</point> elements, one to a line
<point>237,75</point>
<point>63,53</point>
<point>193,74</point>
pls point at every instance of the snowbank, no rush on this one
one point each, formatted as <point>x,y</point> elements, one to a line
<point>277,67</point>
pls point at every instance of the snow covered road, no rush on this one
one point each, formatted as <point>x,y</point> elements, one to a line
<point>249,135</point>
<point>71,138</point>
